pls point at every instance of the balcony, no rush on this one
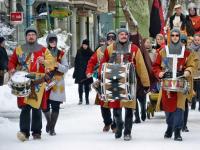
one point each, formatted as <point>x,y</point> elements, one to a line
<point>86,4</point>
<point>57,2</point>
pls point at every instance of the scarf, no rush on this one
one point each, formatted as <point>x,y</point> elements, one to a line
<point>194,47</point>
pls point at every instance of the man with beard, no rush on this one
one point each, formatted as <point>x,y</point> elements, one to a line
<point>173,103</point>
<point>36,60</point>
<point>122,47</point>
<point>93,63</point>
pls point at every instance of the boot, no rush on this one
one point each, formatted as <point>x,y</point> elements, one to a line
<point>185,129</point>
<point>54,117</point>
<point>177,135</point>
<point>80,102</point>
<point>118,132</point>
<point>168,133</point>
<point>48,119</point>
<point>127,137</point>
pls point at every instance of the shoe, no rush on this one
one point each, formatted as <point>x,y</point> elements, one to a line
<point>87,103</point>
<point>118,133</point>
<point>177,135</point>
<point>113,127</point>
<point>137,121</point>
<point>127,137</point>
<point>22,136</point>
<point>143,116</point>
<point>185,129</point>
<point>36,136</point>
<point>168,133</point>
<point>106,128</point>
<point>80,102</point>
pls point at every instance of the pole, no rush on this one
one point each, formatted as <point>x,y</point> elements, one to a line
<point>48,17</point>
<point>117,15</point>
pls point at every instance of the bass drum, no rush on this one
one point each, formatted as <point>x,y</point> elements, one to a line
<point>118,82</point>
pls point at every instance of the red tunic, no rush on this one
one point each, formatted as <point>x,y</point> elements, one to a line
<point>169,99</point>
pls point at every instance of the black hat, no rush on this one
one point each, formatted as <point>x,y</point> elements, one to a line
<point>1,39</point>
<point>86,41</point>
<point>30,29</point>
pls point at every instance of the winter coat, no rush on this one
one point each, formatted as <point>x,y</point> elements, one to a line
<point>57,92</point>
<point>80,66</point>
<point>182,19</point>
<point>3,59</point>
<point>3,64</point>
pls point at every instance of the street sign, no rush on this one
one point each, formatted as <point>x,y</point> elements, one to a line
<point>16,18</point>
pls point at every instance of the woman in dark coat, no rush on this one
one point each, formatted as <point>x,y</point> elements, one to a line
<point>82,57</point>
<point>3,60</point>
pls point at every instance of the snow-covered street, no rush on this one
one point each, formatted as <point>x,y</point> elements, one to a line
<point>80,127</point>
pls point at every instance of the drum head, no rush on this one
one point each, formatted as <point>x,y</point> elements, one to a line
<point>19,77</point>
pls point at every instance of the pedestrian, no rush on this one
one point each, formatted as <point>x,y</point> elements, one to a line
<point>123,46</point>
<point>92,63</point>
<point>57,92</point>
<point>80,65</point>
<point>37,60</point>
<point>173,103</point>
<point>3,62</point>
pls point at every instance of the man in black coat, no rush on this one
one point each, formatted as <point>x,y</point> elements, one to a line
<point>82,57</point>
<point>3,60</point>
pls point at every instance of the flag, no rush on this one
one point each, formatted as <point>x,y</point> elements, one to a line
<point>156,19</point>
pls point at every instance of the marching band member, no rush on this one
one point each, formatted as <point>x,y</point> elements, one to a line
<point>35,59</point>
<point>95,61</point>
<point>123,46</point>
<point>57,92</point>
<point>172,61</point>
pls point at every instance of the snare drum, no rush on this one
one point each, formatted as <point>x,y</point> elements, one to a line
<point>118,82</point>
<point>175,85</point>
<point>20,85</point>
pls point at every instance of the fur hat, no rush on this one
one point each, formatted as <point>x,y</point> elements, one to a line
<point>86,42</point>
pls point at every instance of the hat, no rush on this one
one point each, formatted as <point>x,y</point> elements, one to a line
<point>109,34</point>
<point>175,30</point>
<point>30,29</point>
<point>50,37</point>
<point>191,5</point>
<point>177,6</point>
<point>122,30</point>
<point>2,39</point>
<point>86,41</point>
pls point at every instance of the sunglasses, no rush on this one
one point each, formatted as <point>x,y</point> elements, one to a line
<point>111,37</point>
<point>175,35</point>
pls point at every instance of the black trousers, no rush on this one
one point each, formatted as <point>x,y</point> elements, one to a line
<point>107,117</point>
<point>54,105</point>
<point>142,101</point>
<point>186,112</point>
<point>128,119</point>
<point>26,120</point>
<point>86,89</point>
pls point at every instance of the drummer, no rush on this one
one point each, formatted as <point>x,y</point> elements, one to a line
<point>173,103</point>
<point>35,59</point>
<point>92,63</point>
<point>123,46</point>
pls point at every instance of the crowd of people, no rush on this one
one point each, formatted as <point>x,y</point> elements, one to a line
<point>153,64</point>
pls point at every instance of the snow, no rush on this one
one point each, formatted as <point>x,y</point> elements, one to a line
<point>79,127</point>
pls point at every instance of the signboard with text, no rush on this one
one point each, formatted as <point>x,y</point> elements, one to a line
<point>16,18</point>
